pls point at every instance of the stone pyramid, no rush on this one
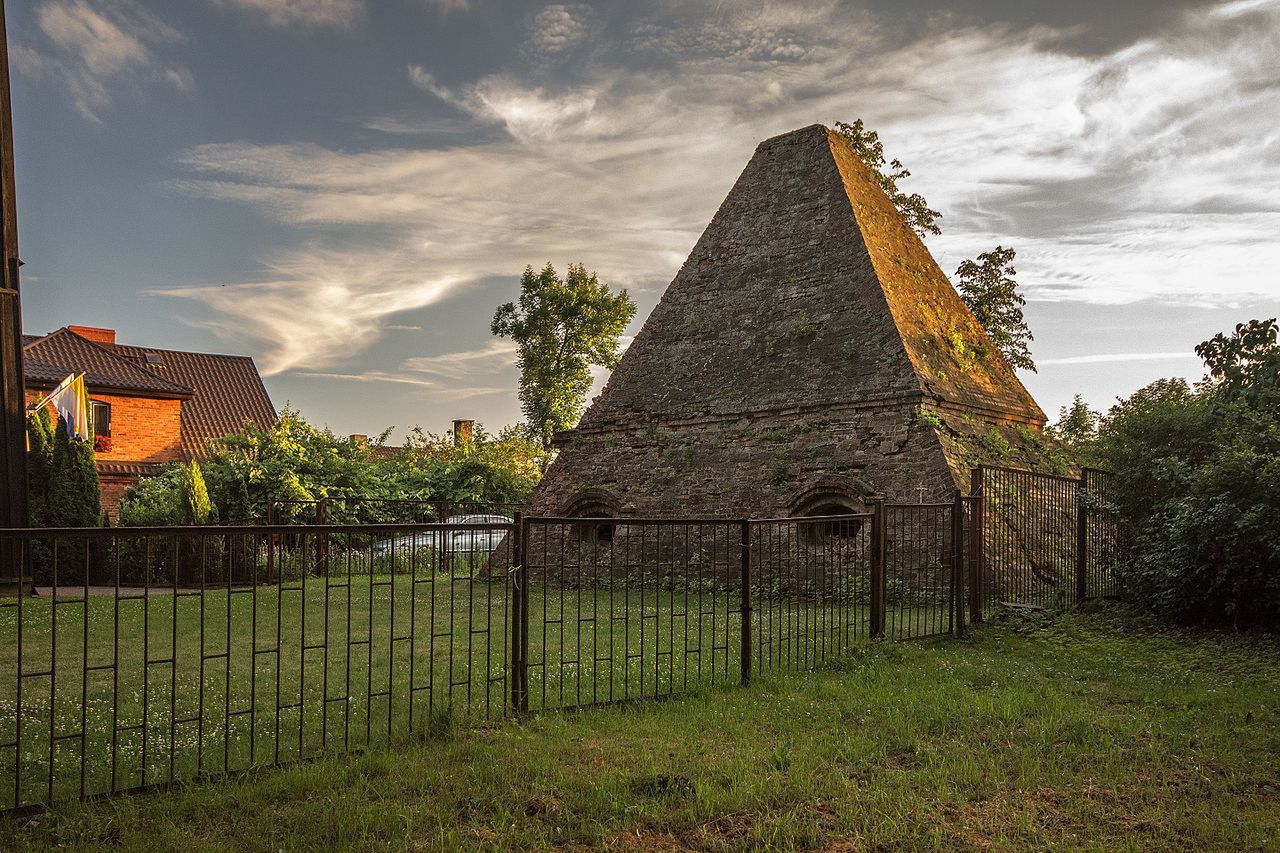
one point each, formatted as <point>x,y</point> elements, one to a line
<point>810,351</point>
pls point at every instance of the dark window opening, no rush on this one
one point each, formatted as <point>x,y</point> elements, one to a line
<point>594,528</point>
<point>841,529</point>
<point>101,414</point>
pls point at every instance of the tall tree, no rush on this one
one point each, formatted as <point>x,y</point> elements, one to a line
<point>1246,363</point>
<point>989,289</point>
<point>562,327</point>
<point>867,145</point>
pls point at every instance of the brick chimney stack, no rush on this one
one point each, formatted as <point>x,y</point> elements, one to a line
<point>359,440</point>
<point>105,337</point>
<point>462,431</point>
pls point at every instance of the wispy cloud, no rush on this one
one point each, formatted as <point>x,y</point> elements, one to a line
<point>1140,174</point>
<point>1110,358</point>
<point>495,356</point>
<point>97,50</point>
<point>308,13</point>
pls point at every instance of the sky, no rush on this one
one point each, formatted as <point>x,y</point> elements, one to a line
<point>346,189</point>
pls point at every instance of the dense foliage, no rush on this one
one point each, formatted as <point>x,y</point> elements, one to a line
<point>563,328</point>
<point>62,476</point>
<point>294,465</point>
<point>1199,474</point>
<point>988,287</point>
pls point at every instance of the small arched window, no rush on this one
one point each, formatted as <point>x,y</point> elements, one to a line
<point>830,520</point>
<point>597,512</point>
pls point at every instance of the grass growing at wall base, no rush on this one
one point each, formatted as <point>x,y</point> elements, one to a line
<point>1082,732</point>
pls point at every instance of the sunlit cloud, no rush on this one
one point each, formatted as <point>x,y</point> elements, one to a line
<point>310,13</point>
<point>1136,175</point>
<point>1111,358</point>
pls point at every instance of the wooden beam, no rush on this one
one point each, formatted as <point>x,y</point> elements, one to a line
<point>13,429</point>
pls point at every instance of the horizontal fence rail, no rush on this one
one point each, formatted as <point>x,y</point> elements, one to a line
<point>152,655</point>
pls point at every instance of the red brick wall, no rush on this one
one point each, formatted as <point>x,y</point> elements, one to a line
<point>142,429</point>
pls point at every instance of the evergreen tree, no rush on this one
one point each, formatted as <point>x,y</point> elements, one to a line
<point>196,507</point>
<point>72,494</point>
<point>39,466</point>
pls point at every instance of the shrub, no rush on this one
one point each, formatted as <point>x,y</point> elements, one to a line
<point>1198,470</point>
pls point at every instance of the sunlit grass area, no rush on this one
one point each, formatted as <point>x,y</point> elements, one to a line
<point>178,683</point>
<point>1080,732</point>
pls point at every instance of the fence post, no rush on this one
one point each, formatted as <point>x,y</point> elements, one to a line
<point>1082,537</point>
<point>519,614</point>
<point>271,555</point>
<point>745,595</point>
<point>976,567</point>
<point>879,538</point>
<point>957,564</point>
<point>322,540</point>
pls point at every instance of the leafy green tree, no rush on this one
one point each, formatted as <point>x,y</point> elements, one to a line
<point>1077,426</point>
<point>1198,487</point>
<point>492,471</point>
<point>867,145</point>
<point>989,289</point>
<point>1246,363</point>
<point>563,327</point>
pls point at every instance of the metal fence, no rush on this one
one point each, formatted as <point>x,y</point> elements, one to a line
<point>1042,540</point>
<point>152,655</point>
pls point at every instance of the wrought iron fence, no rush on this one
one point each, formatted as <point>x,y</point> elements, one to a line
<point>152,655</point>
<point>1042,540</point>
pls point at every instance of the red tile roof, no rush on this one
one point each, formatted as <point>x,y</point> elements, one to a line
<point>219,393</point>
<point>48,361</point>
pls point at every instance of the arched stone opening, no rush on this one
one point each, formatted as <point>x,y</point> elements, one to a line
<point>595,507</point>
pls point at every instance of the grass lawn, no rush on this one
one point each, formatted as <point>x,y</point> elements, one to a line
<point>1085,731</point>
<point>345,666</point>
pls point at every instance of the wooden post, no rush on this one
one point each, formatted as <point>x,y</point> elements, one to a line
<point>976,567</point>
<point>1082,538</point>
<point>13,421</point>
<point>879,552</point>
<point>957,564</point>
<point>745,595</point>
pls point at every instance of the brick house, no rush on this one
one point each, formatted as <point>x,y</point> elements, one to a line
<point>151,406</point>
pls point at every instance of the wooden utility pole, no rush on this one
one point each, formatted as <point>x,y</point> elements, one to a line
<point>13,426</point>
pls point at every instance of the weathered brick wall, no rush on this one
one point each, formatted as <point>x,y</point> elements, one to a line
<point>758,465</point>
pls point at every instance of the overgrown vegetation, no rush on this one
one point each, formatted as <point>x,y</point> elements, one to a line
<point>294,464</point>
<point>1041,734</point>
<point>987,284</point>
<point>1198,483</point>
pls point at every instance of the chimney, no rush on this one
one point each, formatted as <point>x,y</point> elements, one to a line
<point>462,429</point>
<point>106,337</point>
<point>359,440</point>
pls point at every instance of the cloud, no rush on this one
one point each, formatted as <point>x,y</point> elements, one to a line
<point>310,13</point>
<point>1112,358</point>
<point>560,27</point>
<point>1139,174</point>
<point>495,356</point>
<point>97,50</point>
<point>321,307</point>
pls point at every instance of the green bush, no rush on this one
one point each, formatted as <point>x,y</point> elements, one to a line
<point>1198,474</point>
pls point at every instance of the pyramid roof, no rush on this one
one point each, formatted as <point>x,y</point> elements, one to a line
<point>808,289</point>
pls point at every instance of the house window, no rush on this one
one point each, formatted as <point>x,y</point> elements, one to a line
<point>101,418</point>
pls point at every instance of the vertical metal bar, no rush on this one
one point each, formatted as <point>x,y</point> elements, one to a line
<point>878,554</point>
<point>957,564</point>
<point>1082,536</point>
<point>975,563</point>
<point>519,691</point>
<point>745,599</point>
<point>84,663</point>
